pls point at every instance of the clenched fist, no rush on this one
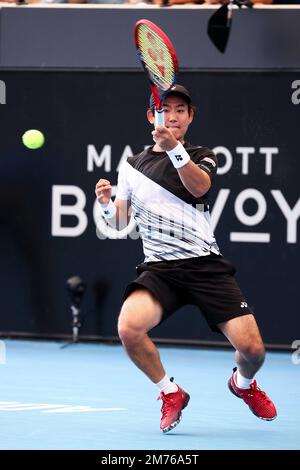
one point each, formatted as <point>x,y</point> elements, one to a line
<point>164,138</point>
<point>103,191</point>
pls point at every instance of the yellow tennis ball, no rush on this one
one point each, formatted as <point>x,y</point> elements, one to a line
<point>33,139</point>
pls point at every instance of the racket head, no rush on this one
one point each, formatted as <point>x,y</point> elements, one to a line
<point>158,57</point>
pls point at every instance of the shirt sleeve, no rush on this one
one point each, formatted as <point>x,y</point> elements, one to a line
<point>208,162</point>
<point>123,189</point>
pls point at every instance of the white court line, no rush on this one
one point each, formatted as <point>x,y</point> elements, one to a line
<point>82,409</point>
<point>52,408</point>
<point>15,406</point>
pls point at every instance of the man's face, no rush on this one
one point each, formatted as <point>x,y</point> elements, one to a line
<point>177,116</point>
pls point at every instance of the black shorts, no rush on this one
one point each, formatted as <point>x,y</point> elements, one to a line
<point>206,281</point>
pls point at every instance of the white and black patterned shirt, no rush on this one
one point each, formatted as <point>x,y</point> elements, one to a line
<point>173,224</point>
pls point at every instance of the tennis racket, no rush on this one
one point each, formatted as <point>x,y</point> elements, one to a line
<point>159,59</point>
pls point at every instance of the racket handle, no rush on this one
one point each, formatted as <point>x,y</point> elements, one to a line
<point>159,117</point>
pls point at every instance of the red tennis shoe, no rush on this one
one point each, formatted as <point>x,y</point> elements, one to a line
<point>257,400</point>
<point>173,404</point>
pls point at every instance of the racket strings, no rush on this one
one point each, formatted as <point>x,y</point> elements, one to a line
<point>156,57</point>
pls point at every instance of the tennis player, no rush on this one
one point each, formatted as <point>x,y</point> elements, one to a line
<point>167,188</point>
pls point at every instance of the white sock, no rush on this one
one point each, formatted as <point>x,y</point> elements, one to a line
<point>165,385</point>
<point>242,382</point>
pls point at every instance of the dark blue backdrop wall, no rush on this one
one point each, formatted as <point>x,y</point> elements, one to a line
<point>91,122</point>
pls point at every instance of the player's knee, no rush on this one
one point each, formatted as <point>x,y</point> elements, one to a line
<point>256,354</point>
<point>128,333</point>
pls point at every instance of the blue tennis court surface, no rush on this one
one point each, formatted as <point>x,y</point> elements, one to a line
<point>90,396</point>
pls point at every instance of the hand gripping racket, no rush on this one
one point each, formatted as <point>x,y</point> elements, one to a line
<point>159,59</point>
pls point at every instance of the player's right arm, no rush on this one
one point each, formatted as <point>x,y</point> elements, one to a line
<point>103,193</point>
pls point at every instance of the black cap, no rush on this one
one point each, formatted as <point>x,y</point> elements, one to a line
<point>175,89</point>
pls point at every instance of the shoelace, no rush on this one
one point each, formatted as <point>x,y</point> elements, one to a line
<point>167,403</point>
<point>255,388</point>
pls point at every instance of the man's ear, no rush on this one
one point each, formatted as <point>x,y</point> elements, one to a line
<point>191,115</point>
<point>150,116</point>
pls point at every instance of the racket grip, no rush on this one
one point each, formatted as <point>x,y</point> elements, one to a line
<point>159,117</point>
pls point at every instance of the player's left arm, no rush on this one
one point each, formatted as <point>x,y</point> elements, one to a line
<point>195,180</point>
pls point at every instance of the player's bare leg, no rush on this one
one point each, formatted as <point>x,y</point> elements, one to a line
<point>140,313</point>
<point>244,335</point>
